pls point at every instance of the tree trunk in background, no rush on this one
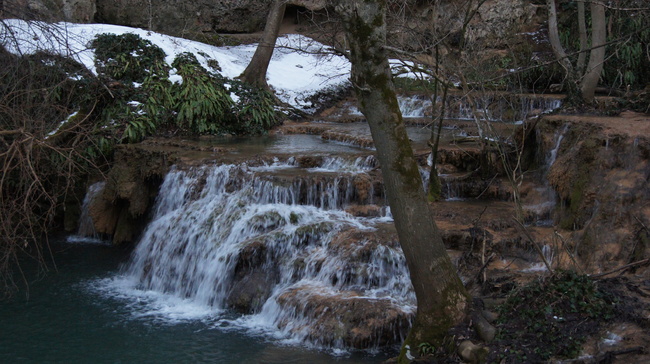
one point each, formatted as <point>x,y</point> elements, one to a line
<point>584,41</point>
<point>255,73</point>
<point>597,54</point>
<point>442,300</point>
<point>586,77</point>
<point>561,56</point>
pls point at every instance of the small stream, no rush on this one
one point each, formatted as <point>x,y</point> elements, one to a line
<point>248,262</point>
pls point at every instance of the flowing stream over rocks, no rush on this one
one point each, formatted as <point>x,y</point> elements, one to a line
<point>288,236</point>
<point>273,242</point>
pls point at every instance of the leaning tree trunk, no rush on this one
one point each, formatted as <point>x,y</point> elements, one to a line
<point>255,73</point>
<point>441,297</point>
<point>597,54</point>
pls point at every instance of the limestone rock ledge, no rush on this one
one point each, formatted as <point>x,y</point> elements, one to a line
<point>120,212</point>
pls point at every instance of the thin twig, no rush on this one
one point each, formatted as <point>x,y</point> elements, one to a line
<point>627,266</point>
<point>566,248</point>
<point>535,245</point>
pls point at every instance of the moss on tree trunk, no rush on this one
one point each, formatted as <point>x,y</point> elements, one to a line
<point>442,299</point>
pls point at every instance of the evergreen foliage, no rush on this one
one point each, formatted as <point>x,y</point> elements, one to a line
<point>626,64</point>
<point>203,104</point>
<point>146,99</point>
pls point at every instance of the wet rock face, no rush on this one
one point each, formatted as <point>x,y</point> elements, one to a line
<point>76,11</point>
<point>498,17</point>
<point>253,280</point>
<point>345,319</point>
<point>132,185</point>
<point>186,17</point>
<point>193,19</point>
<point>601,177</point>
<point>320,314</point>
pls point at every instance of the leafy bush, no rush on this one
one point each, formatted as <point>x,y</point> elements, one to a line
<point>255,109</point>
<point>42,144</point>
<point>626,61</point>
<point>142,97</point>
<point>408,85</point>
<point>552,317</point>
<point>203,103</point>
<point>128,57</point>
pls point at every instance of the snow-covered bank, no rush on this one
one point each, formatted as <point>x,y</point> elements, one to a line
<point>297,69</point>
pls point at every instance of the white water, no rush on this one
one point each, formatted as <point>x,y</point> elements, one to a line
<point>336,164</point>
<point>548,253</point>
<point>414,106</point>
<point>552,155</point>
<point>500,109</point>
<point>410,106</point>
<point>546,191</point>
<point>207,219</point>
<point>86,231</point>
<point>489,107</point>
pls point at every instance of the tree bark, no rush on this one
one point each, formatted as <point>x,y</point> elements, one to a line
<point>597,53</point>
<point>442,300</point>
<point>584,41</point>
<point>255,72</point>
<point>572,91</point>
<point>588,78</point>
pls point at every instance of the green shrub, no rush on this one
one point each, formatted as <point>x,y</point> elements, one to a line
<point>202,102</point>
<point>552,317</point>
<point>128,57</point>
<point>626,61</point>
<point>255,110</point>
<point>145,99</point>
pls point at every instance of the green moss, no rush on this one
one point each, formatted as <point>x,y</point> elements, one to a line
<point>294,218</point>
<point>434,329</point>
<point>575,210</point>
<point>435,188</point>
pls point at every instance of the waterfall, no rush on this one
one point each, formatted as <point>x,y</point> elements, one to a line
<point>223,233</point>
<point>338,164</point>
<point>552,155</point>
<point>86,229</point>
<point>411,106</point>
<point>549,255</point>
<point>502,107</point>
<point>414,106</point>
<point>490,107</point>
<point>545,205</point>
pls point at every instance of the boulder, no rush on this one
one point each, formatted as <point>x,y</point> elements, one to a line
<point>344,318</point>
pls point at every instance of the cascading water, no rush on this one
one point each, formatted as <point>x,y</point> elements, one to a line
<point>505,108</point>
<point>552,155</point>
<point>285,254</point>
<point>546,192</point>
<point>414,106</point>
<point>411,106</point>
<point>490,107</point>
<point>86,230</point>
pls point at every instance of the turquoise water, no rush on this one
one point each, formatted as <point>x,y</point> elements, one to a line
<point>69,317</point>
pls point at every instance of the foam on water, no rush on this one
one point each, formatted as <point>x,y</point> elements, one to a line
<point>184,266</point>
